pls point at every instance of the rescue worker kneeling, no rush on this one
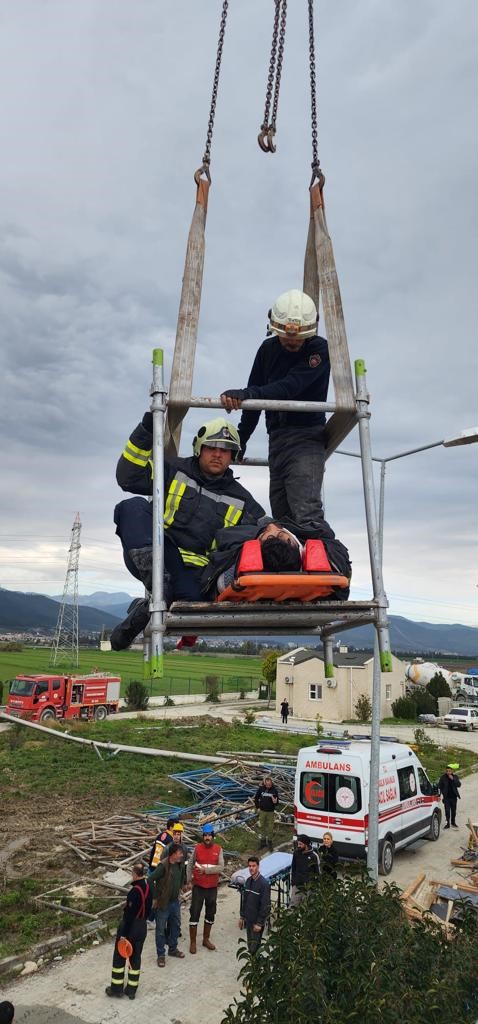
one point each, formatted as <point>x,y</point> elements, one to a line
<point>133,928</point>
<point>201,496</point>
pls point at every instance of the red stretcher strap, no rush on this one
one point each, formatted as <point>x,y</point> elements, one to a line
<point>283,587</point>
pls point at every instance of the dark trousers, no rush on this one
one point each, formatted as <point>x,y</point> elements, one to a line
<point>284,718</point>
<point>296,467</point>
<point>201,896</point>
<point>168,927</point>
<point>137,935</point>
<point>134,526</point>
<point>254,939</point>
<point>450,810</point>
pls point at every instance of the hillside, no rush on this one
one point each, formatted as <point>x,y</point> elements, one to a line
<point>34,611</point>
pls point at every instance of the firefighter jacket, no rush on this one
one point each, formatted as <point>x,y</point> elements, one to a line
<point>195,506</point>
<point>167,881</point>
<point>137,906</point>
<point>229,545</point>
<point>264,798</point>
<point>212,859</point>
<point>305,867</point>
<point>277,373</point>
<point>161,843</point>
<point>255,901</point>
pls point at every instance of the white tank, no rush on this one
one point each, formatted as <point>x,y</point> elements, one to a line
<point>422,672</point>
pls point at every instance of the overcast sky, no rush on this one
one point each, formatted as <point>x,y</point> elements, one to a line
<point>102,124</point>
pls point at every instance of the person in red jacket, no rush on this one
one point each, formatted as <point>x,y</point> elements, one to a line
<point>204,870</point>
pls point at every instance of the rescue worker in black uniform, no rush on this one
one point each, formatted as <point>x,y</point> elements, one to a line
<point>133,927</point>
<point>201,496</point>
<point>292,364</point>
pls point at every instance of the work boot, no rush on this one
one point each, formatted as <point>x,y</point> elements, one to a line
<point>115,992</point>
<point>130,992</point>
<point>205,936</point>
<point>138,617</point>
<point>193,930</point>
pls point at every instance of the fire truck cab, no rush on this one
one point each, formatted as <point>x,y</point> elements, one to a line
<point>42,697</point>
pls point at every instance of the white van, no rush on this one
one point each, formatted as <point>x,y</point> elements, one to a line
<point>332,793</point>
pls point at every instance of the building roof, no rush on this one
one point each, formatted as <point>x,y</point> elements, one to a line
<point>301,654</point>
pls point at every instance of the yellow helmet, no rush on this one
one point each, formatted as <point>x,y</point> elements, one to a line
<point>293,312</point>
<point>217,434</point>
<point>177,827</point>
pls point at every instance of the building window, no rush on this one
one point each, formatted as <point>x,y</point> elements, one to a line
<point>388,691</point>
<point>315,691</point>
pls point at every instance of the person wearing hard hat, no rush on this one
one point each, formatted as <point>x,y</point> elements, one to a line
<point>130,937</point>
<point>204,870</point>
<point>293,363</point>
<point>201,496</point>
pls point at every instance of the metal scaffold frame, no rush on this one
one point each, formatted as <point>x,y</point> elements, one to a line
<point>323,619</point>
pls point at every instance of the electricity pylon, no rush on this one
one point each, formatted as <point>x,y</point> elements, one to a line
<point>65,646</point>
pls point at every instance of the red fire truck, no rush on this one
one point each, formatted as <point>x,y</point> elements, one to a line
<point>44,697</point>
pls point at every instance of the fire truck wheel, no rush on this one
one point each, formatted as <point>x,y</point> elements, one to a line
<point>47,715</point>
<point>385,862</point>
<point>101,713</point>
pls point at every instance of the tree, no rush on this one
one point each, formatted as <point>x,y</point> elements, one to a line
<point>363,708</point>
<point>349,953</point>
<point>269,666</point>
<point>212,689</point>
<point>405,707</point>
<point>136,696</point>
<point>438,686</point>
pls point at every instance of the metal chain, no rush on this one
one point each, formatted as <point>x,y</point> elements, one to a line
<point>316,171</point>
<point>268,127</point>
<point>206,160</point>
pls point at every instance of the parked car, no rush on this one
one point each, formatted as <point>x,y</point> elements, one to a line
<point>461,718</point>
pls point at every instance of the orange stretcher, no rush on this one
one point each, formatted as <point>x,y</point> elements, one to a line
<point>316,581</point>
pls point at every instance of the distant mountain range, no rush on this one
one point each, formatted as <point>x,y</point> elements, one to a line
<point>33,611</point>
<point>23,612</point>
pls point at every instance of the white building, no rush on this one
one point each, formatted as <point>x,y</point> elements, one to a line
<point>301,678</point>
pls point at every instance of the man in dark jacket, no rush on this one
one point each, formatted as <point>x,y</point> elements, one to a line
<point>255,905</point>
<point>305,868</point>
<point>201,496</point>
<point>449,785</point>
<point>281,545</point>
<point>265,801</point>
<point>133,927</point>
<point>167,880</point>
<point>292,364</point>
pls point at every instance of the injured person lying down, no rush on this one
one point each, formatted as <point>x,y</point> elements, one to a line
<point>277,561</point>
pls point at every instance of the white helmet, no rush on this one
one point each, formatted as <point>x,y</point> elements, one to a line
<point>293,312</point>
<point>217,433</point>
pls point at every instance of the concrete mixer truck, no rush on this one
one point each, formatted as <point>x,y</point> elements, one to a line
<point>463,687</point>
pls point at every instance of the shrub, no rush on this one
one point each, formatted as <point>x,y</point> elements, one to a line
<point>269,666</point>
<point>242,694</point>
<point>426,704</point>
<point>405,707</point>
<point>438,686</point>
<point>319,728</point>
<point>349,953</point>
<point>168,702</point>
<point>363,708</point>
<point>136,696</point>
<point>249,716</point>
<point>212,689</point>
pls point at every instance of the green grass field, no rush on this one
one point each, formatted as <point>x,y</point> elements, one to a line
<point>183,673</point>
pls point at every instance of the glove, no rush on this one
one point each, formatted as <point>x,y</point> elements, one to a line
<point>239,393</point>
<point>147,422</point>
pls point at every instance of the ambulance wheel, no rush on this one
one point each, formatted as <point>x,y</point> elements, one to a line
<point>434,832</point>
<point>47,715</point>
<point>385,861</point>
<point>101,713</point>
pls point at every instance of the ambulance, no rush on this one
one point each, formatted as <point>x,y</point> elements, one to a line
<point>332,786</point>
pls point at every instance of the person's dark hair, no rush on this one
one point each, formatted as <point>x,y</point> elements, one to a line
<point>174,848</point>
<point>170,822</point>
<point>138,870</point>
<point>278,555</point>
<point>253,858</point>
<point>304,839</point>
<point>7,1012</point>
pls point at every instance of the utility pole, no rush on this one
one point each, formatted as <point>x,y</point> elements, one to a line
<point>65,648</point>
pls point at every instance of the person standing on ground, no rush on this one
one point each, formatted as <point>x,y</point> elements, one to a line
<point>329,857</point>
<point>167,880</point>
<point>449,784</point>
<point>265,801</point>
<point>305,868</point>
<point>132,927</point>
<point>204,869</point>
<point>284,710</point>
<point>292,364</point>
<point>255,905</point>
